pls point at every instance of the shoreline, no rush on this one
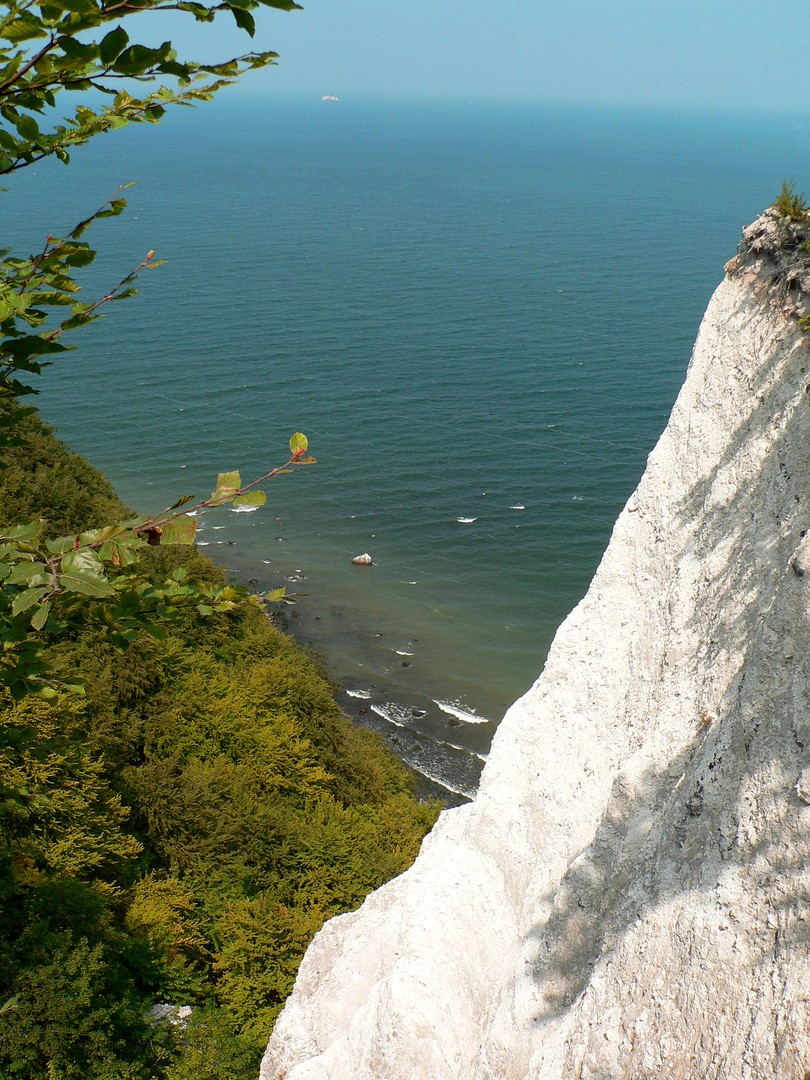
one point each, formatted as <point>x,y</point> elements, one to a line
<point>362,715</point>
<point>442,745</point>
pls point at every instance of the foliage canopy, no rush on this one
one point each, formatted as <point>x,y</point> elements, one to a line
<point>178,833</point>
<point>790,203</point>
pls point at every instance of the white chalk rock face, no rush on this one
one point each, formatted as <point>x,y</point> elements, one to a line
<point>628,895</point>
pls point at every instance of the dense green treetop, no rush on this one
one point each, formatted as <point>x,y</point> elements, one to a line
<point>180,831</point>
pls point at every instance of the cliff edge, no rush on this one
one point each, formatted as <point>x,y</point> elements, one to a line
<point>627,896</point>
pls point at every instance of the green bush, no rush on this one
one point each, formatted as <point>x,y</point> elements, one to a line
<point>178,834</point>
<point>790,204</point>
<point>42,478</point>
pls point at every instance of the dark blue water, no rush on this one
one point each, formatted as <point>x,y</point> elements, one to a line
<point>479,315</point>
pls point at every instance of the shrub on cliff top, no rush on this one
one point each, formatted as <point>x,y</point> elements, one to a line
<point>790,203</point>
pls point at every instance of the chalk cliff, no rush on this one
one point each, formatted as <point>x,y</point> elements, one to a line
<point>628,896</point>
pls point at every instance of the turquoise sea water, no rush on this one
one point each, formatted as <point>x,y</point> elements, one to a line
<point>480,315</point>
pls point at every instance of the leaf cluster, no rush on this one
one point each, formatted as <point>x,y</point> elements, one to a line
<point>30,288</point>
<point>82,45</point>
<point>53,587</point>
<point>178,833</point>
<point>212,801</point>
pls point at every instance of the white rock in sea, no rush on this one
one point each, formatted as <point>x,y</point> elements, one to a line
<point>627,896</point>
<point>362,560</point>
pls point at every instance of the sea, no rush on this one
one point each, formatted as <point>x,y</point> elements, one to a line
<point>480,315</point>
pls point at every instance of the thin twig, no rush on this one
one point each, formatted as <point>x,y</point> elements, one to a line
<point>15,78</point>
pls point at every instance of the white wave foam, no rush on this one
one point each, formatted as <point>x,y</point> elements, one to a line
<point>453,708</point>
<point>203,543</point>
<point>243,509</point>
<point>465,520</point>
<point>403,652</point>
<point>518,507</point>
<point>465,750</point>
<point>398,715</point>
<point>380,711</point>
<point>364,695</point>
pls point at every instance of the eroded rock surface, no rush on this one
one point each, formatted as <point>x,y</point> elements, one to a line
<point>627,896</point>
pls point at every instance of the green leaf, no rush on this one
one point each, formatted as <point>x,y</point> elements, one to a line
<point>19,688</point>
<point>251,498</point>
<point>180,531</point>
<point>120,552</point>
<point>40,616</point>
<point>98,536</point>
<point>28,128</point>
<point>82,257</point>
<point>79,53</point>
<point>79,7</point>
<point>113,44</point>
<point>229,480</point>
<point>24,28</point>
<point>83,558</point>
<point>25,533</point>
<point>137,59</point>
<point>275,594</point>
<point>82,572</point>
<point>244,20</point>
<point>46,693</point>
<point>27,573</point>
<point>181,502</point>
<point>25,600</point>
<point>298,443</point>
<point>60,546</point>
<point>227,486</point>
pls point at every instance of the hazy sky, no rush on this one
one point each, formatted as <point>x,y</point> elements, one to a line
<point>715,53</point>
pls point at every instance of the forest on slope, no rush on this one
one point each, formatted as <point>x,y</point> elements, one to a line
<point>179,832</point>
